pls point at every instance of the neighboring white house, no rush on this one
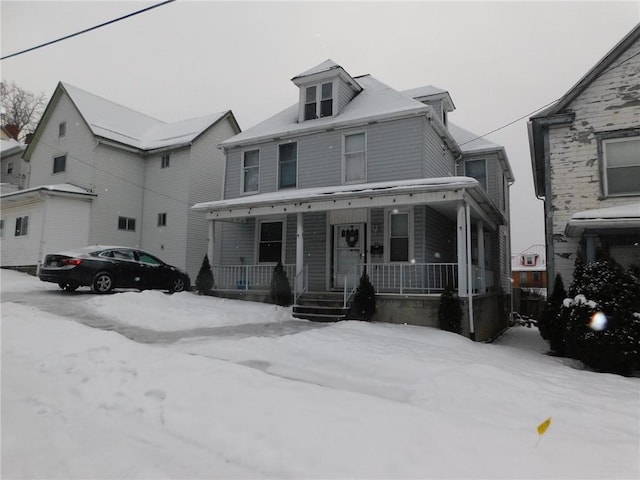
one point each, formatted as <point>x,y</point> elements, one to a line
<point>357,176</point>
<point>100,173</point>
<point>585,153</point>
<point>13,169</point>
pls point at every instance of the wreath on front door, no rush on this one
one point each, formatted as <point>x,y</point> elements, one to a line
<point>351,237</point>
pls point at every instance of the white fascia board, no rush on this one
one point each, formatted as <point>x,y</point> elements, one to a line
<point>367,200</point>
<point>576,227</point>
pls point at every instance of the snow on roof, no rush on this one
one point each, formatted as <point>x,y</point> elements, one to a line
<point>287,196</point>
<point>121,124</point>
<point>632,210</point>
<point>7,147</point>
<point>426,91</point>
<point>470,142</point>
<point>376,101</point>
<point>536,251</point>
<point>323,67</point>
<point>58,188</point>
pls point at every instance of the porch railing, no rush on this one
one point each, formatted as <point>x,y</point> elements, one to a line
<point>300,283</point>
<point>245,277</point>
<point>418,278</point>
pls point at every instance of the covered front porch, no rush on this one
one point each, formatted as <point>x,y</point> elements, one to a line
<point>412,238</point>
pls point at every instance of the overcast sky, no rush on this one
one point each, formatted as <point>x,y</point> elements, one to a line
<point>498,60</point>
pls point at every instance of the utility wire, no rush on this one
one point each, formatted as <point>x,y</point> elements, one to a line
<point>88,29</point>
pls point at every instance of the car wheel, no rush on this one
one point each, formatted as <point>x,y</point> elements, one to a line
<point>177,285</point>
<point>102,283</point>
<point>68,287</point>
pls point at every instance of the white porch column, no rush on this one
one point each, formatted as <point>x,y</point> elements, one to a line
<point>482,272</point>
<point>211,242</point>
<point>299,254</point>
<point>461,242</point>
<point>469,272</point>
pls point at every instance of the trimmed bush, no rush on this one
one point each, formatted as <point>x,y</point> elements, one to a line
<point>204,280</point>
<point>364,300</point>
<point>551,322</point>
<point>450,311</point>
<point>280,289</point>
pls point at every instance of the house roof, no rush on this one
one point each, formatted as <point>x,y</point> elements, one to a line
<point>535,130</point>
<point>376,102</point>
<point>125,126</point>
<point>10,147</point>
<point>625,216</point>
<point>537,250</point>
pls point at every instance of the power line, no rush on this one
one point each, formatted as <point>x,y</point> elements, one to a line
<point>88,29</point>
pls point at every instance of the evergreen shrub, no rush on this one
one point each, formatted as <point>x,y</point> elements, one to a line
<point>204,280</point>
<point>551,322</point>
<point>450,311</point>
<point>364,300</point>
<point>280,290</point>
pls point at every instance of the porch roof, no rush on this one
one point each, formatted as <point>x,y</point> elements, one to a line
<point>432,191</point>
<point>602,219</point>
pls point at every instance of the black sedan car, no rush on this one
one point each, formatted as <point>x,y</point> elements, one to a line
<point>104,268</point>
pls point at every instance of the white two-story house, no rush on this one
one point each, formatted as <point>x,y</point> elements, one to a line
<point>100,173</point>
<point>585,152</point>
<point>357,176</point>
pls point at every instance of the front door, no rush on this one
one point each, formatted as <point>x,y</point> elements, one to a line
<point>348,252</point>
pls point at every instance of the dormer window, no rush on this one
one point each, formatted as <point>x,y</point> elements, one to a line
<point>318,99</point>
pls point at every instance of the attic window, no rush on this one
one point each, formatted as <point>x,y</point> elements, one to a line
<point>318,99</point>
<point>529,260</point>
<point>164,163</point>
<point>62,129</point>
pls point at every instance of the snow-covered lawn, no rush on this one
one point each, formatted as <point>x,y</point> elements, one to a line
<point>345,400</point>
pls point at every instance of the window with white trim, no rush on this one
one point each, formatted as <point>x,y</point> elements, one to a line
<point>162,219</point>
<point>399,228</point>
<point>165,161</point>
<point>126,223</point>
<point>318,101</point>
<point>22,226</point>
<point>621,160</point>
<point>288,165</point>
<point>355,158</point>
<point>477,169</point>
<point>270,242</point>
<point>250,171</point>
<point>59,163</point>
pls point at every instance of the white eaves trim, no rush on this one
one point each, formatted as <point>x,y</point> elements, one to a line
<point>60,189</point>
<point>620,216</point>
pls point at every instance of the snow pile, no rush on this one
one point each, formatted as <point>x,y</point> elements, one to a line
<point>346,400</point>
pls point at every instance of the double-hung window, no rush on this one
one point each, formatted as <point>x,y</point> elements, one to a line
<point>22,226</point>
<point>9,168</point>
<point>126,223</point>
<point>355,158</point>
<point>250,171</point>
<point>398,236</point>
<point>62,129</point>
<point>165,161</point>
<point>1,227</point>
<point>270,242</point>
<point>59,163</point>
<point>288,165</point>
<point>621,159</point>
<point>318,99</point>
<point>477,169</point>
<point>162,219</point>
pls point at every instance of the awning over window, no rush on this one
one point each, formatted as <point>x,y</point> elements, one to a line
<point>621,217</point>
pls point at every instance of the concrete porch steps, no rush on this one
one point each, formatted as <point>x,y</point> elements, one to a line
<point>321,307</point>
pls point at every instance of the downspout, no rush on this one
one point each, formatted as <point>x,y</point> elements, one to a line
<point>472,334</point>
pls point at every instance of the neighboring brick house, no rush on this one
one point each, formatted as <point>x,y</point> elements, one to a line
<point>585,153</point>
<point>100,173</point>
<point>357,176</point>
<point>529,274</point>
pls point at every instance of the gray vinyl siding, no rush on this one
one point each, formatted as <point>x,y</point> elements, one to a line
<point>440,238</point>
<point>315,250</point>
<point>237,240</point>
<point>394,152</point>
<point>377,233</point>
<point>345,94</point>
<point>438,162</point>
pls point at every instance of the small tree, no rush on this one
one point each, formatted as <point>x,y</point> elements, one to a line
<point>550,323</point>
<point>450,311</point>
<point>204,280</point>
<point>364,300</point>
<point>21,109</point>
<point>280,289</point>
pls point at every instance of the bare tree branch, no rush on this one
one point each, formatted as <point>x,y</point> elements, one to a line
<point>20,108</point>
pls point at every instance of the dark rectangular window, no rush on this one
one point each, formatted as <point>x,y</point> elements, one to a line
<point>399,237</point>
<point>310,103</point>
<point>22,226</point>
<point>622,166</point>
<point>477,169</point>
<point>2,228</point>
<point>59,164</point>
<point>125,223</point>
<point>523,278</point>
<point>288,160</point>
<point>270,248</point>
<point>536,276</point>
<point>326,102</point>
<point>62,129</point>
<point>165,161</point>
<point>162,219</point>
<point>251,171</point>
<point>10,167</point>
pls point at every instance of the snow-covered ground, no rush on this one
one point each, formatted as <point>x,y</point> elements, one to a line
<point>345,400</point>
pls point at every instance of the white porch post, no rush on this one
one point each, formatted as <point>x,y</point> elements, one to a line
<point>483,279</point>
<point>299,254</point>
<point>211,242</point>
<point>469,271</point>
<point>461,243</point>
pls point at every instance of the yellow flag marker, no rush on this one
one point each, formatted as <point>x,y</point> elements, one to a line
<point>543,428</point>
